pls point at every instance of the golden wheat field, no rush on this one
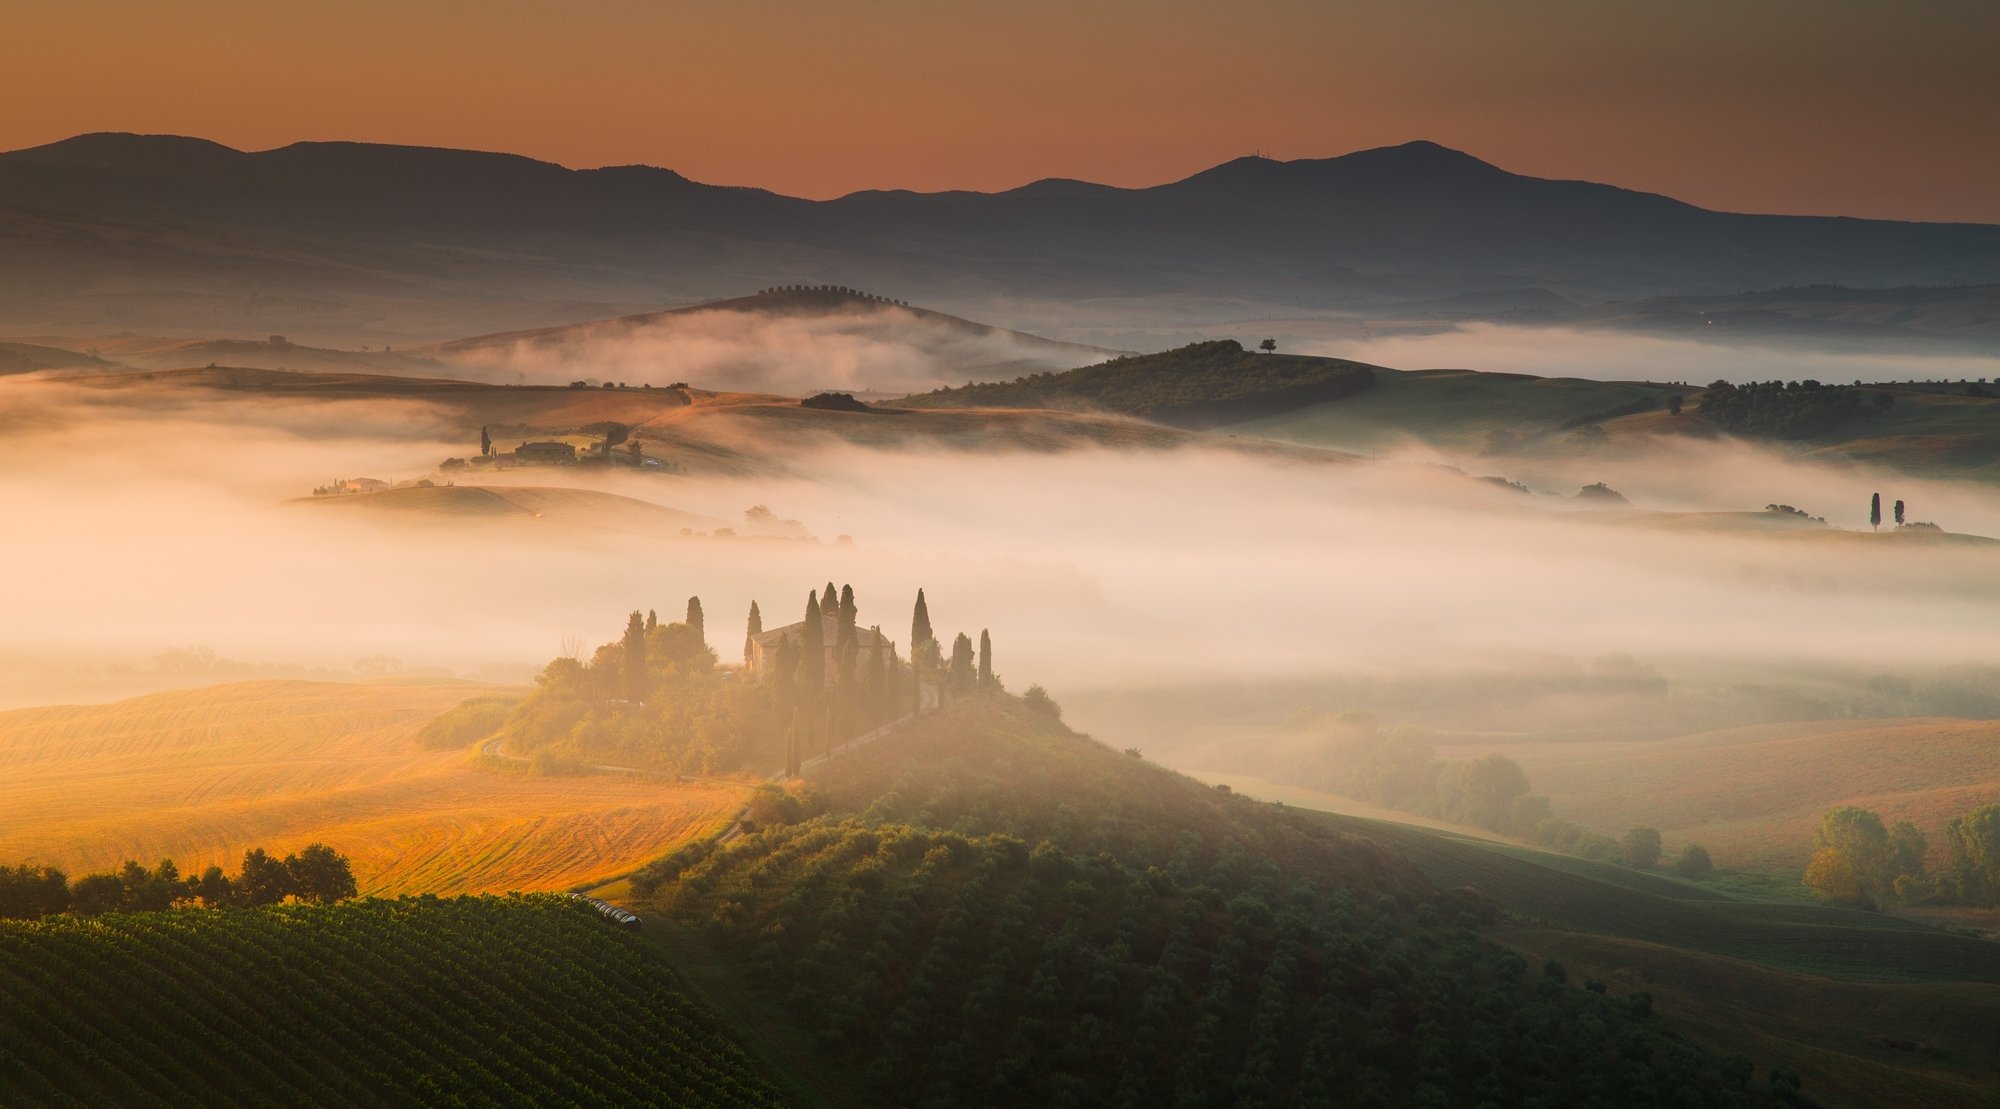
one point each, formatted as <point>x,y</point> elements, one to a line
<point>200,776</point>
<point>1754,796</point>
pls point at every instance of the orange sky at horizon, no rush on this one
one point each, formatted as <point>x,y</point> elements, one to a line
<point>1831,107</point>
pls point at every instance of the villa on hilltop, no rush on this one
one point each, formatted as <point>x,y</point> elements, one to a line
<point>763,647</point>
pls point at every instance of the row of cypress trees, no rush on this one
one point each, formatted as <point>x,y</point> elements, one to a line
<point>835,689</point>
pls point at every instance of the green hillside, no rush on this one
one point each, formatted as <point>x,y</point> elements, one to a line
<point>1197,386</point>
<point>989,909</point>
<point>1460,409</point>
<point>471,1001</point>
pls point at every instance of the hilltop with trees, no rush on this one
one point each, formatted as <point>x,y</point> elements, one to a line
<point>657,698</point>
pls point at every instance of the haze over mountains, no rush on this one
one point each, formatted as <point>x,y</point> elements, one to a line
<point>342,243</point>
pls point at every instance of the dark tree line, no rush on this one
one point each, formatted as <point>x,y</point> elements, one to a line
<point>317,874</point>
<point>1787,409</point>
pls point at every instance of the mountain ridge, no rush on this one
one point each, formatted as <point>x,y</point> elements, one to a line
<point>121,231</point>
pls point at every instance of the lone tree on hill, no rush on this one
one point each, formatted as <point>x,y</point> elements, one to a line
<point>1694,861</point>
<point>1899,513</point>
<point>1642,848</point>
<point>755,629</point>
<point>694,619</point>
<point>1875,512</point>
<point>635,657</point>
<point>985,659</point>
<point>1268,346</point>
<point>485,441</point>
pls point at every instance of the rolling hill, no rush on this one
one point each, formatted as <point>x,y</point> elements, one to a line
<point>989,903</point>
<point>351,242</point>
<point>21,358</point>
<point>759,342</point>
<point>202,775</point>
<point>432,506</point>
<point>1738,791</point>
<point>1874,1010</point>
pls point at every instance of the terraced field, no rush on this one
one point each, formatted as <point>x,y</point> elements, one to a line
<point>199,776</point>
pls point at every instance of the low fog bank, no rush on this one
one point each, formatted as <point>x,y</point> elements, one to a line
<point>1616,356</point>
<point>883,350</point>
<point>146,529</point>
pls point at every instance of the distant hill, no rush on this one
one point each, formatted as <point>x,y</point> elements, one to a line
<point>21,358</point>
<point>346,241</point>
<point>1722,789</point>
<point>779,340</point>
<point>1196,386</point>
<point>1932,319</point>
<point>432,506</point>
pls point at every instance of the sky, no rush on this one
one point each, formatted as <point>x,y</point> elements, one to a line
<point>1809,106</point>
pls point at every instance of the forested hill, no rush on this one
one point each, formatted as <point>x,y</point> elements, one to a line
<point>1197,386</point>
<point>989,909</point>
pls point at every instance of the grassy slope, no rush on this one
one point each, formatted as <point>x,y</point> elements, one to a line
<point>982,768</point>
<point>1453,408</point>
<point>1739,792</point>
<point>1198,386</point>
<point>474,1001</point>
<point>1937,434</point>
<point>1872,1010</point>
<point>201,775</point>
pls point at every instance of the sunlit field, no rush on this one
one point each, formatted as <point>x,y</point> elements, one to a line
<point>200,776</point>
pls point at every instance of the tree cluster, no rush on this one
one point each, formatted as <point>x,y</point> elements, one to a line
<point>654,698</point>
<point>1858,860</point>
<point>1787,409</point>
<point>317,874</point>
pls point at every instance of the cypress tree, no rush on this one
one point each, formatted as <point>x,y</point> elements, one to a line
<point>920,628</point>
<point>985,659</point>
<point>652,619</point>
<point>963,672</point>
<point>812,666</point>
<point>1899,513</point>
<point>1875,512</point>
<point>847,610</point>
<point>635,657</point>
<point>877,676</point>
<point>754,629</point>
<point>694,619</point>
<point>485,441</point>
<point>792,746</point>
<point>829,602</point>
